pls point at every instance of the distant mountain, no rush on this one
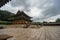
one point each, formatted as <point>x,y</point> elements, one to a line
<point>4,15</point>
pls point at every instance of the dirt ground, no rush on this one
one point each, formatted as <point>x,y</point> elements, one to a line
<point>43,33</point>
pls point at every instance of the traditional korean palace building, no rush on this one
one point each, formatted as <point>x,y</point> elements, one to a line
<point>21,18</point>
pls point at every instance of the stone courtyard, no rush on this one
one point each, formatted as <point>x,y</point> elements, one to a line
<point>43,33</point>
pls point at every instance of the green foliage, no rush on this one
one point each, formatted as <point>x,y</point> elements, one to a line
<point>5,22</point>
<point>58,20</point>
<point>44,22</point>
<point>4,15</point>
<point>1,27</point>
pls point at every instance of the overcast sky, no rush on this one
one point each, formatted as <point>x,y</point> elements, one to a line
<point>40,10</point>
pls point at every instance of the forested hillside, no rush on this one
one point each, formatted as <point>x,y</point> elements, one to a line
<point>4,15</point>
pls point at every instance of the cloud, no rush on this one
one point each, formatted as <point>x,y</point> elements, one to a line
<point>40,10</point>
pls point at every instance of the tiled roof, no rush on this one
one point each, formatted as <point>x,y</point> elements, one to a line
<point>3,2</point>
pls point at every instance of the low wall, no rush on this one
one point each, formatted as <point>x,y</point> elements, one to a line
<point>20,26</point>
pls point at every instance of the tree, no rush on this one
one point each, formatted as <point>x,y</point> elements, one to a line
<point>45,22</point>
<point>4,15</point>
<point>58,20</point>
